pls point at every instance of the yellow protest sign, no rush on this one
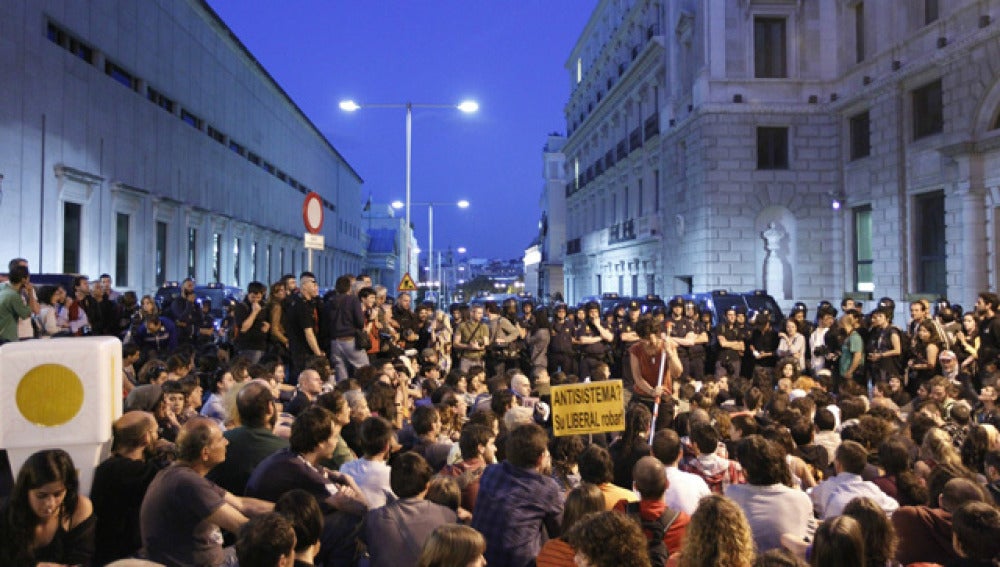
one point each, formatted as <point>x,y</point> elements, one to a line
<point>595,407</point>
<point>406,284</point>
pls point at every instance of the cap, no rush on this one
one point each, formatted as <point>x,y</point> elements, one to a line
<point>676,301</point>
<point>634,305</point>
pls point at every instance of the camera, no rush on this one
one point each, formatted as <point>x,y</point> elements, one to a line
<point>821,350</point>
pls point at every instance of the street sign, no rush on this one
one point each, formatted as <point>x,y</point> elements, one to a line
<point>314,241</point>
<point>312,213</point>
<point>406,284</point>
<point>593,407</point>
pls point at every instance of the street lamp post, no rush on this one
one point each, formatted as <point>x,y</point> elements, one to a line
<point>467,106</point>
<point>462,204</point>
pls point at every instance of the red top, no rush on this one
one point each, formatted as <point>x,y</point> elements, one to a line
<point>649,370</point>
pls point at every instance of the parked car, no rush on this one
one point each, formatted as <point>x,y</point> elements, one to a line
<point>754,301</point>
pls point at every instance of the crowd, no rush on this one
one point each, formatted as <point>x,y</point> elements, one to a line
<point>357,429</point>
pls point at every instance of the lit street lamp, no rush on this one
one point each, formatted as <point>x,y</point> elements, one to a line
<point>462,204</point>
<point>467,106</point>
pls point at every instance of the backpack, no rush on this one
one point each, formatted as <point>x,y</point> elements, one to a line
<point>654,530</point>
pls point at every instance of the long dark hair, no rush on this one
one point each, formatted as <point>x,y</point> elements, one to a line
<point>17,519</point>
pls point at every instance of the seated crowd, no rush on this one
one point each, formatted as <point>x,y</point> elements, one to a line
<point>367,433</point>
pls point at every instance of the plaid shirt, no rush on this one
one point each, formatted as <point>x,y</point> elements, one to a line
<point>512,507</point>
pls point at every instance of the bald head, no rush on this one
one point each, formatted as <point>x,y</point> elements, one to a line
<point>958,491</point>
<point>650,478</point>
<point>310,382</point>
<point>520,384</point>
<point>131,429</point>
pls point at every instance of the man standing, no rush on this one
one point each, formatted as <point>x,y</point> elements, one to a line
<point>825,316</point>
<point>185,312</point>
<point>471,339</point>
<point>561,355</point>
<point>517,498</point>
<point>250,323</point>
<point>593,339</point>
<point>989,330</point>
<point>25,327</point>
<point>301,321</point>
<point>732,345</point>
<point>409,327</point>
<point>852,351</point>
<point>13,309</point>
<point>885,348</point>
<point>183,513</point>
<point>345,319</point>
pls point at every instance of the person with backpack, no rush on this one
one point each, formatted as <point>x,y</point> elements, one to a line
<point>663,526</point>
<point>717,472</point>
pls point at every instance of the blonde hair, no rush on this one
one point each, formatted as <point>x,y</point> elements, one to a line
<point>937,445</point>
<point>717,535</point>
<point>450,545</point>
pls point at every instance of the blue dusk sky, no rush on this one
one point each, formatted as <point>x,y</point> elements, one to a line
<point>507,55</point>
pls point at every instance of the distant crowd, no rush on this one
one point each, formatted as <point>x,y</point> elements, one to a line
<point>359,429</point>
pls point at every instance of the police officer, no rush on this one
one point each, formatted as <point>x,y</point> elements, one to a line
<point>698,349</point>
<point>732,345</point>
<point>681,332</point>
<point>593,339</point>
<point>627,336</point>
<point>562,355</point>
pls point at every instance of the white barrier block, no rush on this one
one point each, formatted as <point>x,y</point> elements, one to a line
<point>60,393</point>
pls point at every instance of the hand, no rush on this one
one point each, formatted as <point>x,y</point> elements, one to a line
<point>255,307</point>
<point>265,327</point>
<point>658,391</point>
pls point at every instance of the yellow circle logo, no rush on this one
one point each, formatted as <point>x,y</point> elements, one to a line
<point>49,395</point>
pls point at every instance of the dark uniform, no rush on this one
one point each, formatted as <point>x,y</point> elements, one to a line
<point>591,354</point>
<point>562,355</point>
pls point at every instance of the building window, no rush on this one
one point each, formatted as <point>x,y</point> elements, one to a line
<point>216,135</point>
<point>121,248</point>
<point>861,143</point>
<point>863,257</point>
<point>190,119</point>
<point>192,252</point>
<point>635,285</point>
<point>267,262</point>
<point>621,285</point>
<point>650,284</point>
<point>639,197</point>
<point>599,290</point>
<point>859,32</point>
<point>929,245</point>
<point>161,252</point>
<point>656,190</point>
<point>579,69</point>
<point>253,261</point>
<point>237,149</point>
<point>216,257</point>
<point>928,110</point>
<point>72,219</point>
<point>930,11</point>
<point>237,244</point>
<point>281,260</point>
<point>159,99</point>
<point>772,148</point>
<point>625,204</point>
<point>770,49</point>
<point>120,75</point>
<point>63,39</point>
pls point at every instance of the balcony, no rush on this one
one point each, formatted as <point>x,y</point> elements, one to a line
<point>621,232</point>
<point>622,149</point>
<point>652,126</point>
<point>635,140</point>
<point>609,159</point>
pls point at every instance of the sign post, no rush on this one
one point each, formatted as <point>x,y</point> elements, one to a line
<point>312,217</point>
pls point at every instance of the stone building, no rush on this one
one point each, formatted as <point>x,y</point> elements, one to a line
<point>816,149</point>
<point>144,140</point>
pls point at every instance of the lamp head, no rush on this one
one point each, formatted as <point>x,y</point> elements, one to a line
<point>468,106</point>
<point>397,204</point>
<point>349,105</point>
<point>463,204</point>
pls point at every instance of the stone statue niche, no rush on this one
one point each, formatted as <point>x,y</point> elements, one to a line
<point>777,268</point>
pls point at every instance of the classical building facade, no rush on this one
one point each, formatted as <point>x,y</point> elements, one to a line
<point>144,140</point>
<point>816,149</point>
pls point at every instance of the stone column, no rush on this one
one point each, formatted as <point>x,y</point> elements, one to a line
<point>974,256</point>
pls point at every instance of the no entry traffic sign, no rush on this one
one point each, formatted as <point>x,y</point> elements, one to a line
<point>312,212</point>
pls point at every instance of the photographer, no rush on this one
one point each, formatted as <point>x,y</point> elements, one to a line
<point>185,312</point>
